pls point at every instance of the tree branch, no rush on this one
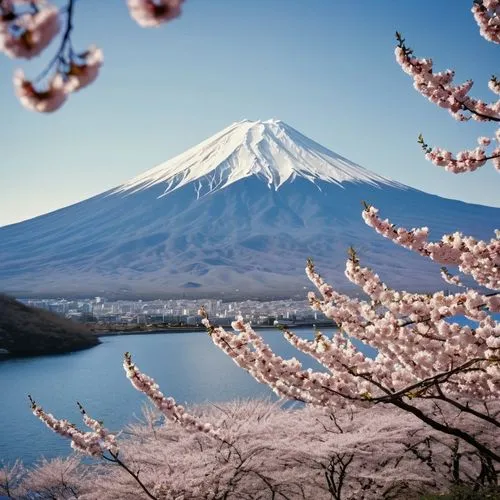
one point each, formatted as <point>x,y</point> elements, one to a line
<point>58,57</point>
<point>116,460</point>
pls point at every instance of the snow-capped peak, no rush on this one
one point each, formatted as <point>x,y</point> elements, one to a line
<point>271,150</point>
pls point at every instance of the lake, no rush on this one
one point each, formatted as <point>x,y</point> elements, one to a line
<point>187,366</point>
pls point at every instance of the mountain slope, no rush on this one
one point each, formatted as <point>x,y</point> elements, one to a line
<point>235,216</point>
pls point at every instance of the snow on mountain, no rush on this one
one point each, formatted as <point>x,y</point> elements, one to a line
<point>270,150</point>
<point>235,216</point>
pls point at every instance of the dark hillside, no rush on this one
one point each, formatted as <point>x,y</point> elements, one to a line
<point>28,331</point>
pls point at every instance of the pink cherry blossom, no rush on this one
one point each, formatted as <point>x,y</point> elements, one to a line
<point>487,15</point>
<point>479,259</point>
<point>43,101</point>
<point>153,13</point>
<point>298,453</point>
<point>94,443</point>
<point>6,11</point>
<point>450,279</point>
<point>29,34</point>
<point>465,161</point>
<point>167,406</point>
<point>494,85</point>
<point>83,73</point>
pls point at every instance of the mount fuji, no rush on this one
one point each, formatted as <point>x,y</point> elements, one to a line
<point>235,216</point>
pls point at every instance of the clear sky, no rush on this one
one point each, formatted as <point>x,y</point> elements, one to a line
<point>326,67</point>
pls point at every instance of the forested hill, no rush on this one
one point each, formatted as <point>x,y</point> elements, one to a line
<point>28,331</point>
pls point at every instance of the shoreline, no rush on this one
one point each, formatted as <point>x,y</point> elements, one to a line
<point>4,356</point>
<point>195,329</point>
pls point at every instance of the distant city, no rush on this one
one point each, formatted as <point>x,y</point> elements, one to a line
<point>177,312</point>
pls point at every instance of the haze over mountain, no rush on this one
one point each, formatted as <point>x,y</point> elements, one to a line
<point>236,215</point>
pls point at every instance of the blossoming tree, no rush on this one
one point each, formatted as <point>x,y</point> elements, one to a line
<point>441,371</point>
<point>425,360</point>
<point>422,355</point>
<point>262,452</point>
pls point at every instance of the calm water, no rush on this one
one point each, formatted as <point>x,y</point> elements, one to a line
<point>187,366</point>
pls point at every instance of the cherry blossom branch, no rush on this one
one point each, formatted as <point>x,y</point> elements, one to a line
<point>66,40</point>
<point>26,33</point>
<point>328,349</point>
<point>465,161</point>
<point>395,399</point>
<point>453,431</point>
<point>423,385</point>
<point>94,443</point>
<point>449,278</point>
<point>411,391</point>
<point>447,314</point>
<point>100,441</point>
<point>480,259</point>
<point>466,408</point>
<point>114,459</point>
<point>439,89</point>
<point>475,112</point>
<point>395,342</point>
<point>415,306</point>
<point>470,303</point>
<point>167,406</point>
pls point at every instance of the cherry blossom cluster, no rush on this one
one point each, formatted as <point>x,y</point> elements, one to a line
<point>285,376</point>
<point>465,161</point>
<point>487,15</point>
<point>99,440</point>
<point>153,13</point>
<point>479,259</point>
<point>248,350</point>
<point>449,278</point>
<point>429,344</point>
<point>28,27</point>
<point>440,89</point>
<point>494,85</point>
<point>421,353</point>
<point>406,328</point>
<point>73,74</point>
<point>94,443</point>
<point>167,406</point>
<point>299,452</point>
<point>26,32</point>
<point>407,352</point>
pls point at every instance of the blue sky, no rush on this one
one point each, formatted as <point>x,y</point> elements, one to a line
<point>325,67</point>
